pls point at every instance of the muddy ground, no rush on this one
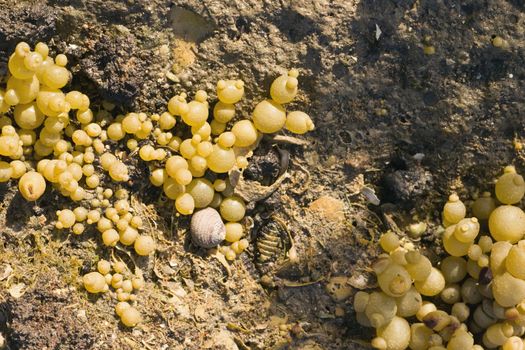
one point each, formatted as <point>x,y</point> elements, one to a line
<point>410,126</point>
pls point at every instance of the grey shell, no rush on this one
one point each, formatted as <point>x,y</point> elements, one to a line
<point>207,228</point>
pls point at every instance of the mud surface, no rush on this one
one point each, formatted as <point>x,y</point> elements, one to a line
<point>410,126</point>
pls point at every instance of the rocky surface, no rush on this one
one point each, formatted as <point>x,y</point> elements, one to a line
<point>411,126</point>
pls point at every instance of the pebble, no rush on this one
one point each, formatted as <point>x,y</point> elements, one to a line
<point>329,208</point>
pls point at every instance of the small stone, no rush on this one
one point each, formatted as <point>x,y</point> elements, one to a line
<point>200,313</point>
<point>221,340</point>
<point>339,311</point>
<point>5,272</point>
<point>17,290</point>
<point>329,208</point>
<point>338,288</point>
<point>81,314</point>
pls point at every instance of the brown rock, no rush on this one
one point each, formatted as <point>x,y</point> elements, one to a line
<point>329,208</point>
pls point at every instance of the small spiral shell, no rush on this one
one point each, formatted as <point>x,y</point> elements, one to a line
<point>207,228</point>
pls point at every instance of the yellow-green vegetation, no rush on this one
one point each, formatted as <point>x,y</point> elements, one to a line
<point>52,138</point>
<point>475,294</point>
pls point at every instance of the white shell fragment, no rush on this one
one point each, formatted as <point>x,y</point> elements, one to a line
<point>207,228</point>
<point>17,290</point>
<point>370,195</point>
<point>378,32</point>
